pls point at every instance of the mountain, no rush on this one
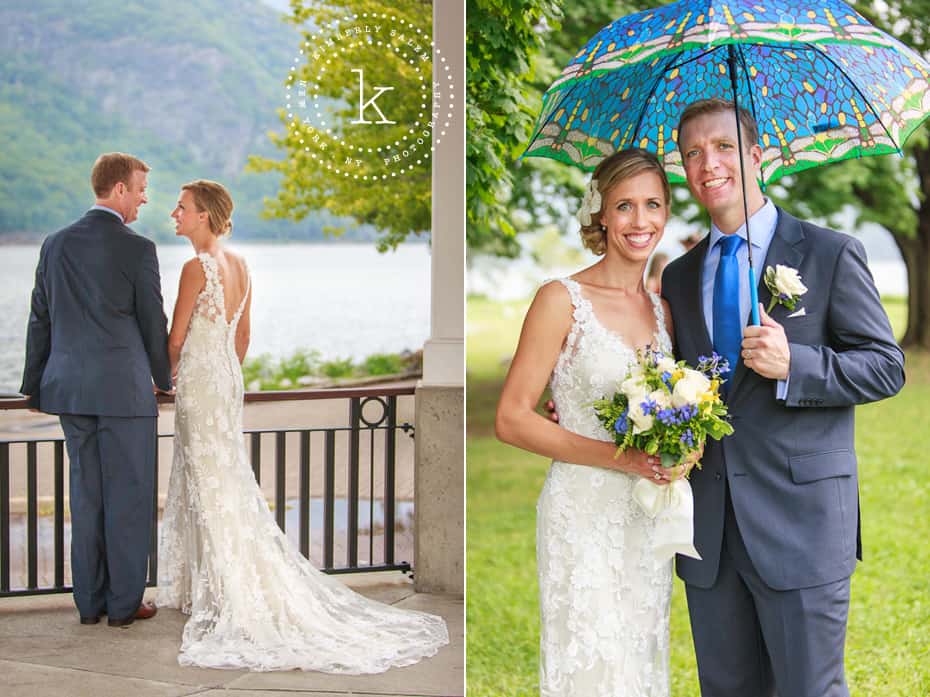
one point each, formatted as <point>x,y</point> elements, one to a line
<point>191,88</point>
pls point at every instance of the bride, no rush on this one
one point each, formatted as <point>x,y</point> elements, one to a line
<point>604,597</point>
<point>254,601</point>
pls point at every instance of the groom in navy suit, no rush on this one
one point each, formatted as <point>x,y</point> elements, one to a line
<point>97,338</point>
<point>776,504</point>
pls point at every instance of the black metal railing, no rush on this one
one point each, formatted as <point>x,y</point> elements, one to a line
<point>368,440</point>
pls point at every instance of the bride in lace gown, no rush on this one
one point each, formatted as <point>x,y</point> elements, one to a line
<point>604,597</point>
<point>254,601</point>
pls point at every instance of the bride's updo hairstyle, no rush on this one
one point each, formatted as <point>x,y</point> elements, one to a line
<point>213,199</point>
<point>612,170</point>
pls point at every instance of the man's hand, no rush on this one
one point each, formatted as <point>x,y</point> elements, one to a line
<point>765,348</point>
<point>692,460</point>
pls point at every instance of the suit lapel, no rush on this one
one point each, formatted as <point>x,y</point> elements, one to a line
<point>787,248</point>
<point>693,300</point>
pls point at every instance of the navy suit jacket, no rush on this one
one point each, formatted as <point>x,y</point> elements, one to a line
<point>97,334</point>
<point>791,465</point>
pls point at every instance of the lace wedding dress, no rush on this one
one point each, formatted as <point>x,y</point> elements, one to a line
<point>604,598</point>
<point>254,601</point>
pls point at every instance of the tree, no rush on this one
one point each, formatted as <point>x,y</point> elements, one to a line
<point>505,38</point>
<point>890,191</point>
<point>515,50</point>
<point>512,196</point>
<point>359,117</point>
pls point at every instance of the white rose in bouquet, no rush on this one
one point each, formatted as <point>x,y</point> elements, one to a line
<point>641,421</point>
<point>635,384</point>
<point>689,388</point>
<point>661,398</point>
<point>666,365</point>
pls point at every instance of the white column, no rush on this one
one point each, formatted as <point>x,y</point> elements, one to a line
<point>439,538</point>
<point>444,351</point>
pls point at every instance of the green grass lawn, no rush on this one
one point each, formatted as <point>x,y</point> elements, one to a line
<point>888,644</point>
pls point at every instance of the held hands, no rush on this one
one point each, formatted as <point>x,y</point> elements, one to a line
<point>648,466</point>
<point>765,348</point>
<point>636,461</point>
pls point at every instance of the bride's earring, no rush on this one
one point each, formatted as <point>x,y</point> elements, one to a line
<point>602,227</point>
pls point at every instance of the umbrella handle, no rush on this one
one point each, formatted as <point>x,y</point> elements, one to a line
<point>754,297</point>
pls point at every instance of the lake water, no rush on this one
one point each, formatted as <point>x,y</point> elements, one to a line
<point>344,300</point>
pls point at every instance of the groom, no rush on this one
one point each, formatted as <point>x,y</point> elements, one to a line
<point>776,504</point>
<point>97,337</point>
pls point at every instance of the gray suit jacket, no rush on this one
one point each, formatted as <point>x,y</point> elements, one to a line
<point>97,332</point>
<point>791,466</point>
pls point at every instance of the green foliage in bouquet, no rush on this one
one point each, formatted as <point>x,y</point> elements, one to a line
<point>665,407</point>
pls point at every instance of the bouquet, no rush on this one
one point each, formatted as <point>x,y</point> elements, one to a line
<point>666,408</point>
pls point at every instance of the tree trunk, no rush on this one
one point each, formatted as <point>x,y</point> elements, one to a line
<point>916,254</point>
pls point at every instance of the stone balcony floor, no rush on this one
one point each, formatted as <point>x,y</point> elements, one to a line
<point>45,652</point>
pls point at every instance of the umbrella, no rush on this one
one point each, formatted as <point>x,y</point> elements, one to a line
<point>822,83</point>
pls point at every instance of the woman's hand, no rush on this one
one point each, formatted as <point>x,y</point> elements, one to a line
<point>646,466</point>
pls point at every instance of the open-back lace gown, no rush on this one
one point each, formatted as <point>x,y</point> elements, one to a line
<point>604,598</point>
<point>254,601</point>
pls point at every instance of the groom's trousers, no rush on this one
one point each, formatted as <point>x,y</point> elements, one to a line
<point>753,641</point>
<point>111,483</point>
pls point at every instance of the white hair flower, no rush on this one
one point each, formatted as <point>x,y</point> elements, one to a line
<point>590,204</point>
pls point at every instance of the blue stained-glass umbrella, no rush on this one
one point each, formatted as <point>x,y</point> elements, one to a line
<point>822,83</point>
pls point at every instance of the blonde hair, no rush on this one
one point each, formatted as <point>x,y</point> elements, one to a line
<point>111,168</point>
<point>716,105</point>
<point>620,166</point>
<point>213,199</point>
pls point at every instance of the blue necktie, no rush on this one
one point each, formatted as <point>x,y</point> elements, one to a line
<point>728,325</point>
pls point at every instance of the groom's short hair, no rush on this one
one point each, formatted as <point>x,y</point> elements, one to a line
<point>111,168</point>
<point>715,105</point>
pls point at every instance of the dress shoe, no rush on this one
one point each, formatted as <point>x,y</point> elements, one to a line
<point>145,611</point>
<point>94,619</point>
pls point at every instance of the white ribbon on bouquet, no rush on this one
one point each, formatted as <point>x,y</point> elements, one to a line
<point>672,505</point>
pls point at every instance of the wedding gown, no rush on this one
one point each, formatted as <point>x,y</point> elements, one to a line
<point>254,601</point>
<point>604,598</point>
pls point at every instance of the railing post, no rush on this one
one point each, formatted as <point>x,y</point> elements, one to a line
<point>280,463</point>
<point>256,443</point>
<point>355,415</point>
<point>32,517</point>
<point>4,517</point>
<point>305,493</point>
<point>60,514</point>
<point>390,449</point>
<point>329,495</point>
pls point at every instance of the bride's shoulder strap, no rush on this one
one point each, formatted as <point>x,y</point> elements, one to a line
<point>209,267</point>
<point>574,290</point>
<point>659,309</point>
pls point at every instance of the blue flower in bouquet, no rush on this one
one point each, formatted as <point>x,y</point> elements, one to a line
<point>649,406</point>
<point>666,378</point>
<point>669,417</point>
<point>622,424</point>
<point>687,438</point>
<point>713,366</point>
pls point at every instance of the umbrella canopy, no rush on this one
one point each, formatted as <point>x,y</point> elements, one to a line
<point>823,84</point>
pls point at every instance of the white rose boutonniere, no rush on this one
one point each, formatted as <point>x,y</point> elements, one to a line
<point>590,204</point>
<point>785,285</point>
